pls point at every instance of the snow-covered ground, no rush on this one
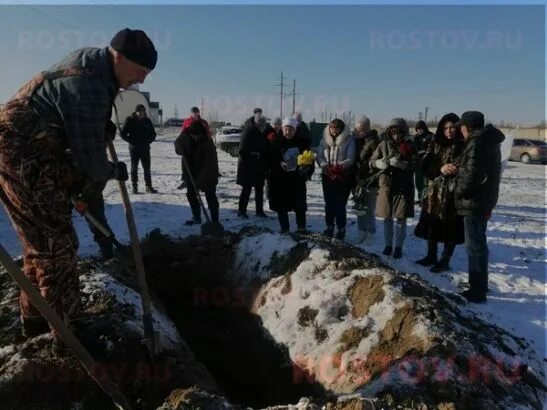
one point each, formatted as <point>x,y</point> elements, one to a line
<point>516,234</point>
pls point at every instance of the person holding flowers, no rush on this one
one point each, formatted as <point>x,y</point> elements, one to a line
<point>291,166</point>
<point>336,158</point>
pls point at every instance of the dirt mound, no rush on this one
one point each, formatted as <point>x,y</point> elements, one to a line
<point>365,293</point>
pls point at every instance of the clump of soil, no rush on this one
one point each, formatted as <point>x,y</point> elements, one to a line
<point>364,293</point>
<point>351,338</point>
<point>306,316</point>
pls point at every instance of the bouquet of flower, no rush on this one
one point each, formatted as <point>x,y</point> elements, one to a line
<point>306,159</point>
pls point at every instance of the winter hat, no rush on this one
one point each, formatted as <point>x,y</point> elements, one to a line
<point>365,121</point>
<point>421,125</point>
<point>257,110</point>
<point>194,110</point>
<point>276,120</point>
<point>472,119</point>
<point>399,123</point>
<point>450,117</point>
<point>140,107</point>
<point>135,46</point>
<point>290,122</point>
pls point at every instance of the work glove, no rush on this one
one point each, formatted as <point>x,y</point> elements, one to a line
<point>325,168</point>
<point>397,163</point>
<point>79,205</point>
<point>120,171</point>
<point>381,164</point>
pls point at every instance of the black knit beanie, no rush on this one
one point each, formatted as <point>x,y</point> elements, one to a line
<point>135,46</point>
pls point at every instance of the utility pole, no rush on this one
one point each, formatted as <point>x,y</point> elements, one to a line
<point>281,85</point>
<point>201,108</point>
<point>176,112</point>
<point>293,94</point>
<point>425,117</point>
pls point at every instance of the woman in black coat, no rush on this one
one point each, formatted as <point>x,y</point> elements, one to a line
<point>252,166</point>
<point>439,221</point>
<point>287,180</point>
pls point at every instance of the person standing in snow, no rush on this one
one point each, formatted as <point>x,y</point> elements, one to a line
<point>476,195</point>
<point>65,108</point>
<point>336,158</point>
<point>195,115</point>
<point>422,139</point>
<point>395,156</point>
<point>273,129</point>
<point>302,130</point>
<point>139,132</point>
<point>366,184</point>
<point>439,221</point>
<point>252,165</point>
<point>199,151</point>
<point>287,179</point>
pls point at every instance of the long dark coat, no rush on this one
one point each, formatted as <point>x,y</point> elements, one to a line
<point>201,156</point>
<point>252,163</point>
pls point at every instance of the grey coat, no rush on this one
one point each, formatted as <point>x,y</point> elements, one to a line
<point>339,151</point>
<point>396,186</point>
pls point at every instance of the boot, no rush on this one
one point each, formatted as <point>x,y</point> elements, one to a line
<point>193,221</point>
<point>135,189</point>
<point>474,296</point>
<point>341,234</point>
<point>398,253</point>
<point>362,236</point>
<point>34,327</point>
<point>440,266</point>
<point>329,232</point>
<point>107,250</point>
<point>150,190</point>
<point>427,261</point>
<point>261,214</point>
<point>431,257</point>
<point>243,215</point>
<point>387,250</point>
<point>182,185</point>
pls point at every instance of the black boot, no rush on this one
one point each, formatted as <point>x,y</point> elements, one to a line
<point>398,253</point>
<point>387,250</point>
<point>193,221</point>
<point>107,250</point>
<point>341,234</point>
<point>150,190</point>
<point>431,257</point>
<point>34,327</point>
<point>474,296</point>
<point>135,189</point>
<point>441,266</point>
<point>329,232</point>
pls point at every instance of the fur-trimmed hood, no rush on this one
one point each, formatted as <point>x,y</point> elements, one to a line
<point>340,140</point>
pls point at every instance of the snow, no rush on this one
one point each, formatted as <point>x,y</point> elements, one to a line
<point>516,237</point>
<point>94,283</point>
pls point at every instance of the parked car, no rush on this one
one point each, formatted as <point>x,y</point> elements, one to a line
<point>227,139</point>
<point>526,151</point>
<point>173,122</point>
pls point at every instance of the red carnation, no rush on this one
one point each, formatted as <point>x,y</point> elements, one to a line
<point>406,150</point>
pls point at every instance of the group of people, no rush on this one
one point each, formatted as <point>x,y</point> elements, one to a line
<point>54,134</point>
<point>456,172</point>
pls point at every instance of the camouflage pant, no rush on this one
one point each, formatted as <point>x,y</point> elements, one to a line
<point>35,180</point>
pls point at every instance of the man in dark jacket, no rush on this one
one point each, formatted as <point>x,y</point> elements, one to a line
<point>476,195</point>
<point>422,139</point>
<point>139,132</point>
<point>252,165</point>
<point>302,130</point>
<point>199,153</point>
<point>65,108</point>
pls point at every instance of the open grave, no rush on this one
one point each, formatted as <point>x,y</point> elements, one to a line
<point>259,320</point>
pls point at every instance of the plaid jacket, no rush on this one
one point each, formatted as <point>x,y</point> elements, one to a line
<point>82,105</point>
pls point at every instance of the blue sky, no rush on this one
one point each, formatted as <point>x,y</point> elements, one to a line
<point>384,61</point>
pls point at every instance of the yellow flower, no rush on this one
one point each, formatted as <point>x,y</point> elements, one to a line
<point>306,159</point>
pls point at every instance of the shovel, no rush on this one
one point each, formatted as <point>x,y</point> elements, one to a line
<point>208,228</point>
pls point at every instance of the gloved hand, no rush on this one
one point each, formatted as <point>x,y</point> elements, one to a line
<point>79,205</point>
<point>120,171</point>
<point>398,163</point>
<point>325,168</point>
<point>381,164</point>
